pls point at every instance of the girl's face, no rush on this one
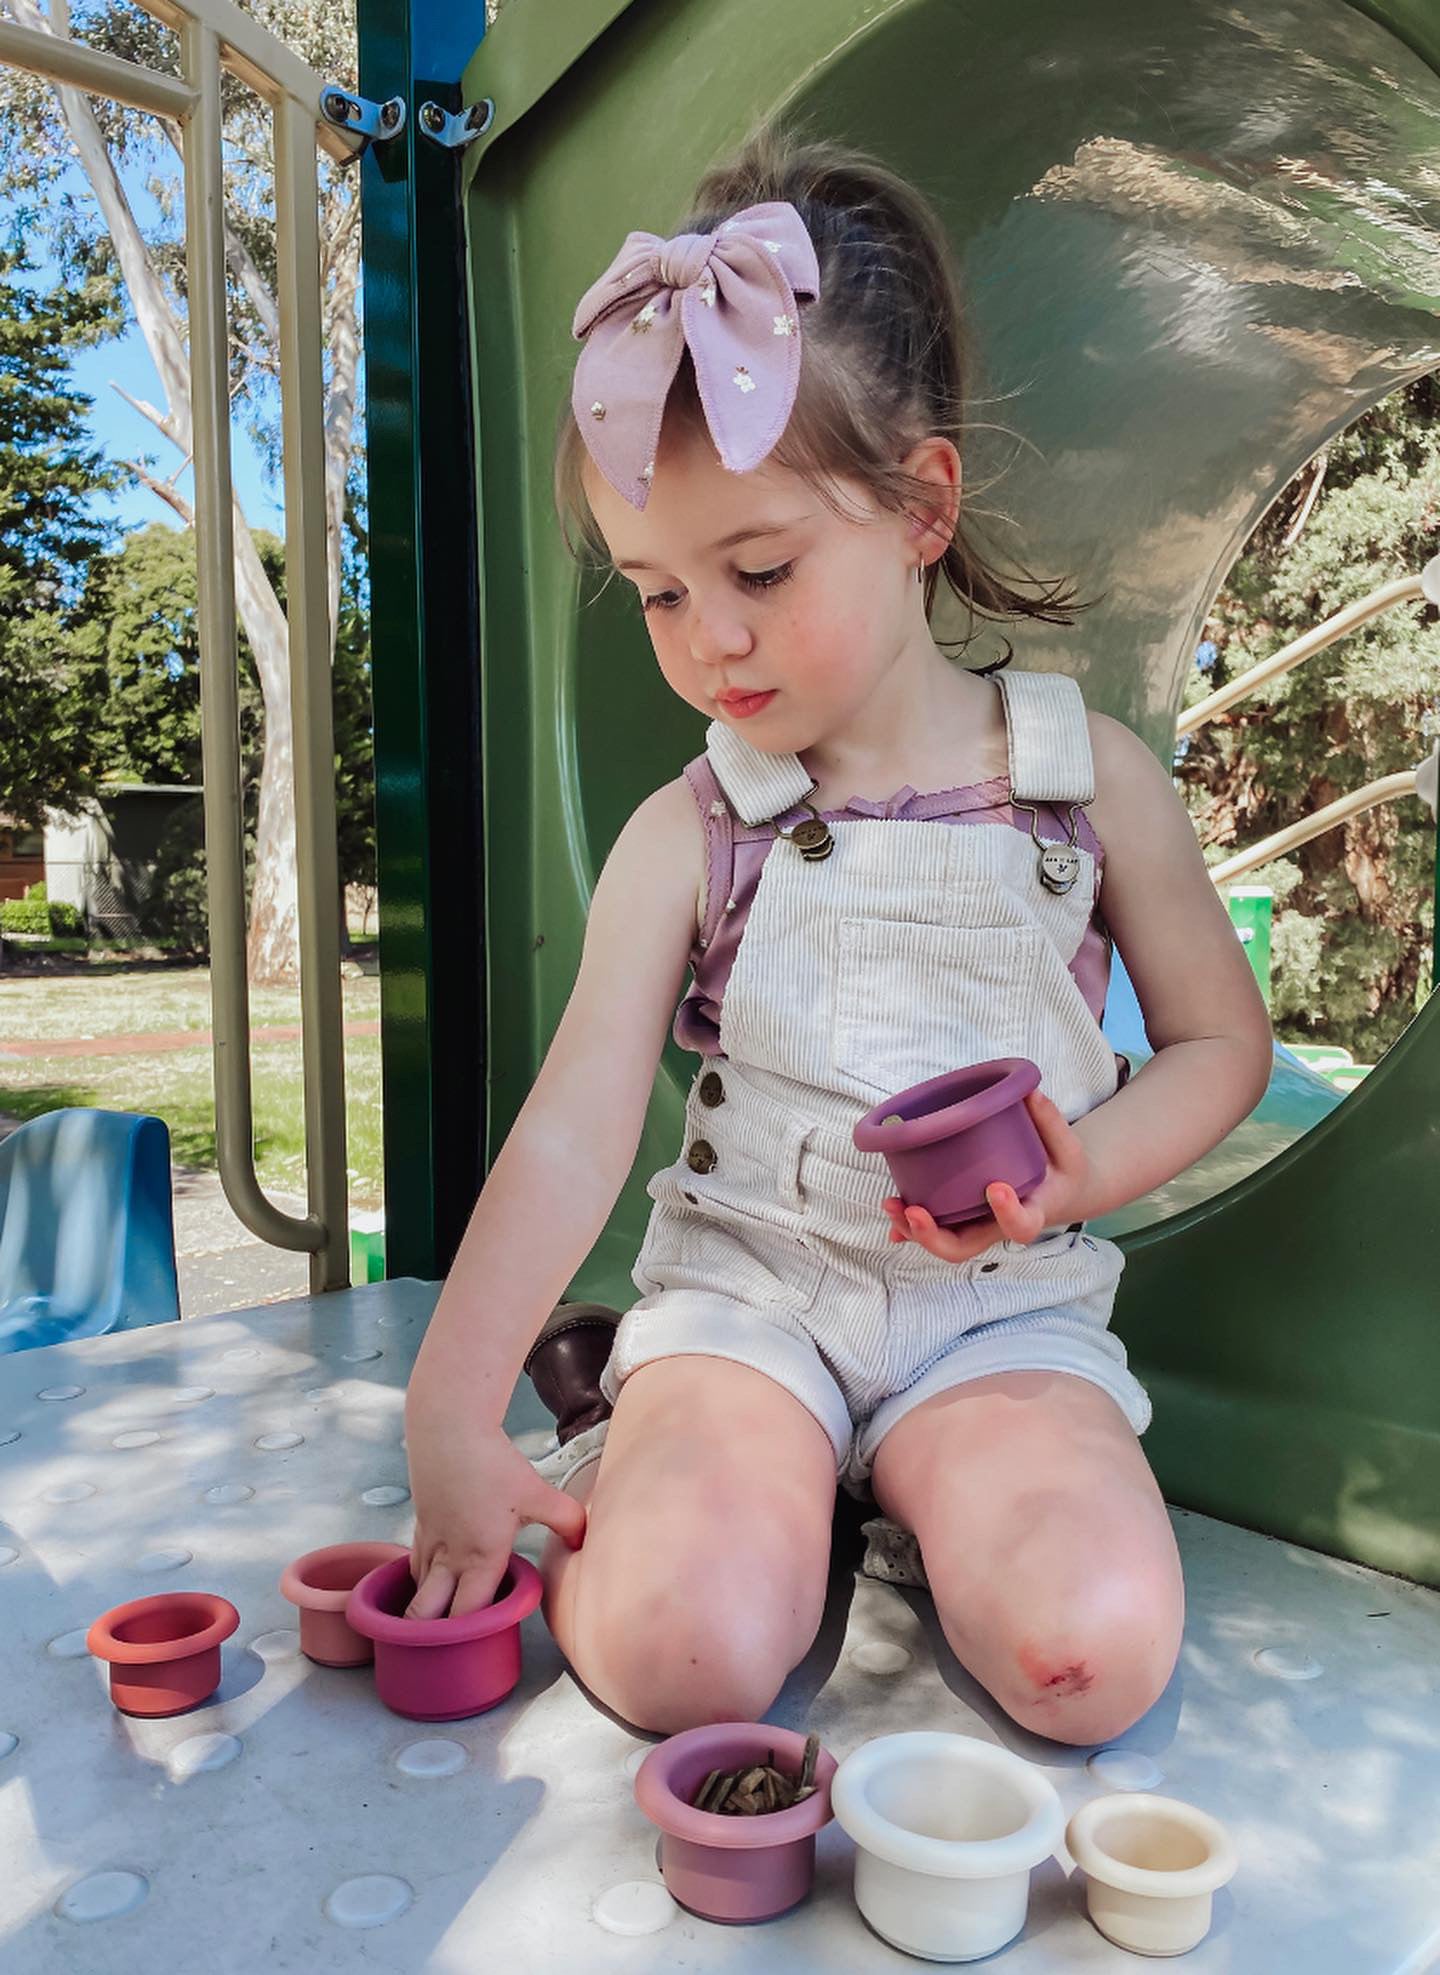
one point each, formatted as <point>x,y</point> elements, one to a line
<point>814,611</point>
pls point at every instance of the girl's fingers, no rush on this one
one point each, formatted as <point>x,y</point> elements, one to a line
<point>475,1589</point>
<point>1016,1219</point>
<point>940,1241</point>
<point>432,1597</point>
<point>1062,1146</point>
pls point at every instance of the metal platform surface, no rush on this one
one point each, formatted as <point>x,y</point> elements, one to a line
<point>294,1824</point>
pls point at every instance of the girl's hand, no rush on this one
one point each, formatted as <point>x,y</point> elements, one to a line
<point>1058,1198</point>
<point>473,1489</point>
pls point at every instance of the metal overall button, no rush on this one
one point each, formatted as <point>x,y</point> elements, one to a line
<point>712,1091</point>
<point>701,1158</point>
<point>1059,863</point>
<point>812,838</point>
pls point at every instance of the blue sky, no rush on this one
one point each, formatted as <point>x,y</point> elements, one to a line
<point>125,433</point>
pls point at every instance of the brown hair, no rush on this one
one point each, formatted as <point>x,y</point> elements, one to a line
<point>885,357</point>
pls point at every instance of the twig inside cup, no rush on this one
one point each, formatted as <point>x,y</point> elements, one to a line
<point>758,1788</point>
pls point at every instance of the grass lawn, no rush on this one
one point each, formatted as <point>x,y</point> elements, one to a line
<point>176,1084</point>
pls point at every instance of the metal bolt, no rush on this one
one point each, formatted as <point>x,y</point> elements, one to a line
<point>337,106</point>
<point>390,113</point>
<point>433,118</point>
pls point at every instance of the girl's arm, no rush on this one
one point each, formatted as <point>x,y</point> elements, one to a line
<point>1205,1016</point>
<point>568,1153</point>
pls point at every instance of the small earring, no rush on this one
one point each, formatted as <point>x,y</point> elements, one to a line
<point>920,572</point>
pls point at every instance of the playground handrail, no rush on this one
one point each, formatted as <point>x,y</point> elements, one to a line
<point>1315,825</point>
<point>1402,590</point>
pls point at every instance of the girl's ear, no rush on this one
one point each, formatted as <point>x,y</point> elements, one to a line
<point>937,460</point>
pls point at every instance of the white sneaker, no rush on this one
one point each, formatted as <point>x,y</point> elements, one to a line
<point>892,1555</point>
<point>560,1465</point>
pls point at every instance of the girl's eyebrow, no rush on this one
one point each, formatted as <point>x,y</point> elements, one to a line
<point>730,541</point>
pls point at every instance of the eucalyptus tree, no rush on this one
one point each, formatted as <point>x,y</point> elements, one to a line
<point>125,204</point>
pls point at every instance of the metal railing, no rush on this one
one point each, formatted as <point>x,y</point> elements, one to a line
<point>1389,788</point>
<point>216,35</point>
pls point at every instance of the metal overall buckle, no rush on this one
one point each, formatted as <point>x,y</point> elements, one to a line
<point>1059,862</point>
<point>812,838</point>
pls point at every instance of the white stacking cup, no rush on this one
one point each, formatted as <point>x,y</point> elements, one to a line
<point>1151,1865</point>
<point>947,1830</point>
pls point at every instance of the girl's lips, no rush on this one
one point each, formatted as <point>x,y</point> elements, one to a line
<point>749,703</point>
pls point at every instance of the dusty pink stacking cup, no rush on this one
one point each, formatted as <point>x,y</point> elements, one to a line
<point>440,1669</point>
<point>732,1868</point>
<point>957,1135</point>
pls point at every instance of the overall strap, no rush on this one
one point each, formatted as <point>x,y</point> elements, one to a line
<point>1049,746</point>
<point>758,785</point>
<point>1049,740</point>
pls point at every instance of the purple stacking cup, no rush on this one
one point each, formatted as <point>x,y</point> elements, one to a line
<point>958,1134</point>
<point>733,1868</point>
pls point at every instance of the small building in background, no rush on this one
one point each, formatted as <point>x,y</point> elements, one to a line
<point>103,860</point>
<point>22,857</point>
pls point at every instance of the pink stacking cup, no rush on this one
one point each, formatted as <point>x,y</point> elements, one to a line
<point>439,1669</point>
<point>947,1139</point>
<point>319,1585</point>
<point>164,1650</point>
<point>732,1868</point>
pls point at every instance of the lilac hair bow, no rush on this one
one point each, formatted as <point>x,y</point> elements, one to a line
<point>731,296</point>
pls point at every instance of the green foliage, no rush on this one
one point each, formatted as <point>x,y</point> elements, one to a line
<point>24,915</point>
<point>140,636</point>
<point>40,890</point>
<point>354,728</point>
<point>37,918</point>
<point>1355,907</point>
<point>49,537</point>
<point>174,912</point>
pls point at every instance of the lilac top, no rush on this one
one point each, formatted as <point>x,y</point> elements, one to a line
<point>735,855</point>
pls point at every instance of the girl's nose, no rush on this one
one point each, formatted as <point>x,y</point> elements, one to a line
<point>718,639</point>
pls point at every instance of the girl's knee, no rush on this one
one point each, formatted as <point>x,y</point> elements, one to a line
<point>1087,1674</point>
<point>678,1653</point>
<point>665,1669</point>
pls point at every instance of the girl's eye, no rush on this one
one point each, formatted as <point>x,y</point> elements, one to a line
<point>753,579</point>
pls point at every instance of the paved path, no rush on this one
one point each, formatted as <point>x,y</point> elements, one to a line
<point>157,1040</point>
<point>221,1265</point>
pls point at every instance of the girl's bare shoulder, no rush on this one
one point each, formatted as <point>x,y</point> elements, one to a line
<point>1131,783</point>
<point>665,844</point>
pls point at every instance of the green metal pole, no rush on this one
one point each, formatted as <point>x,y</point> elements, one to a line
<point>424,642</point>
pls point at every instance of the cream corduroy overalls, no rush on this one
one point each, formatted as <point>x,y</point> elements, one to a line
<point>914,948</point>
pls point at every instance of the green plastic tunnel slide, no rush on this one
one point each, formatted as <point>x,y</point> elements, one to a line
<point>1197,241</point>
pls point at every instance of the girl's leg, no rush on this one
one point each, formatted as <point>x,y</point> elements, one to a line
<point>701,1581</point>
<point>1046,1542</point>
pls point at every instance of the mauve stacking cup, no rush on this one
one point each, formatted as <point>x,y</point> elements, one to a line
<point>958,1134</point>
<point>441,1669</point>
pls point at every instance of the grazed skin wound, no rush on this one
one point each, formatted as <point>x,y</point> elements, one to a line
<point>1054,1683</point>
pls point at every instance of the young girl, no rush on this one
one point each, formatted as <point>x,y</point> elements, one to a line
<point>883,867</point>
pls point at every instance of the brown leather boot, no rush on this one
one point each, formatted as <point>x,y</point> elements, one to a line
<point>565,1362</point>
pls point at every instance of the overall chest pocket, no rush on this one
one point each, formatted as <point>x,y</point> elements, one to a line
<point>914,1001</point>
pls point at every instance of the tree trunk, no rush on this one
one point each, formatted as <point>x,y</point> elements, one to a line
<point>273,940</point>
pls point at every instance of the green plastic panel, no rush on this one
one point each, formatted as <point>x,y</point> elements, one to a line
<point>1198,240</point>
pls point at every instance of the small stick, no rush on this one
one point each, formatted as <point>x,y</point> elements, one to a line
<point>812,1753</point>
